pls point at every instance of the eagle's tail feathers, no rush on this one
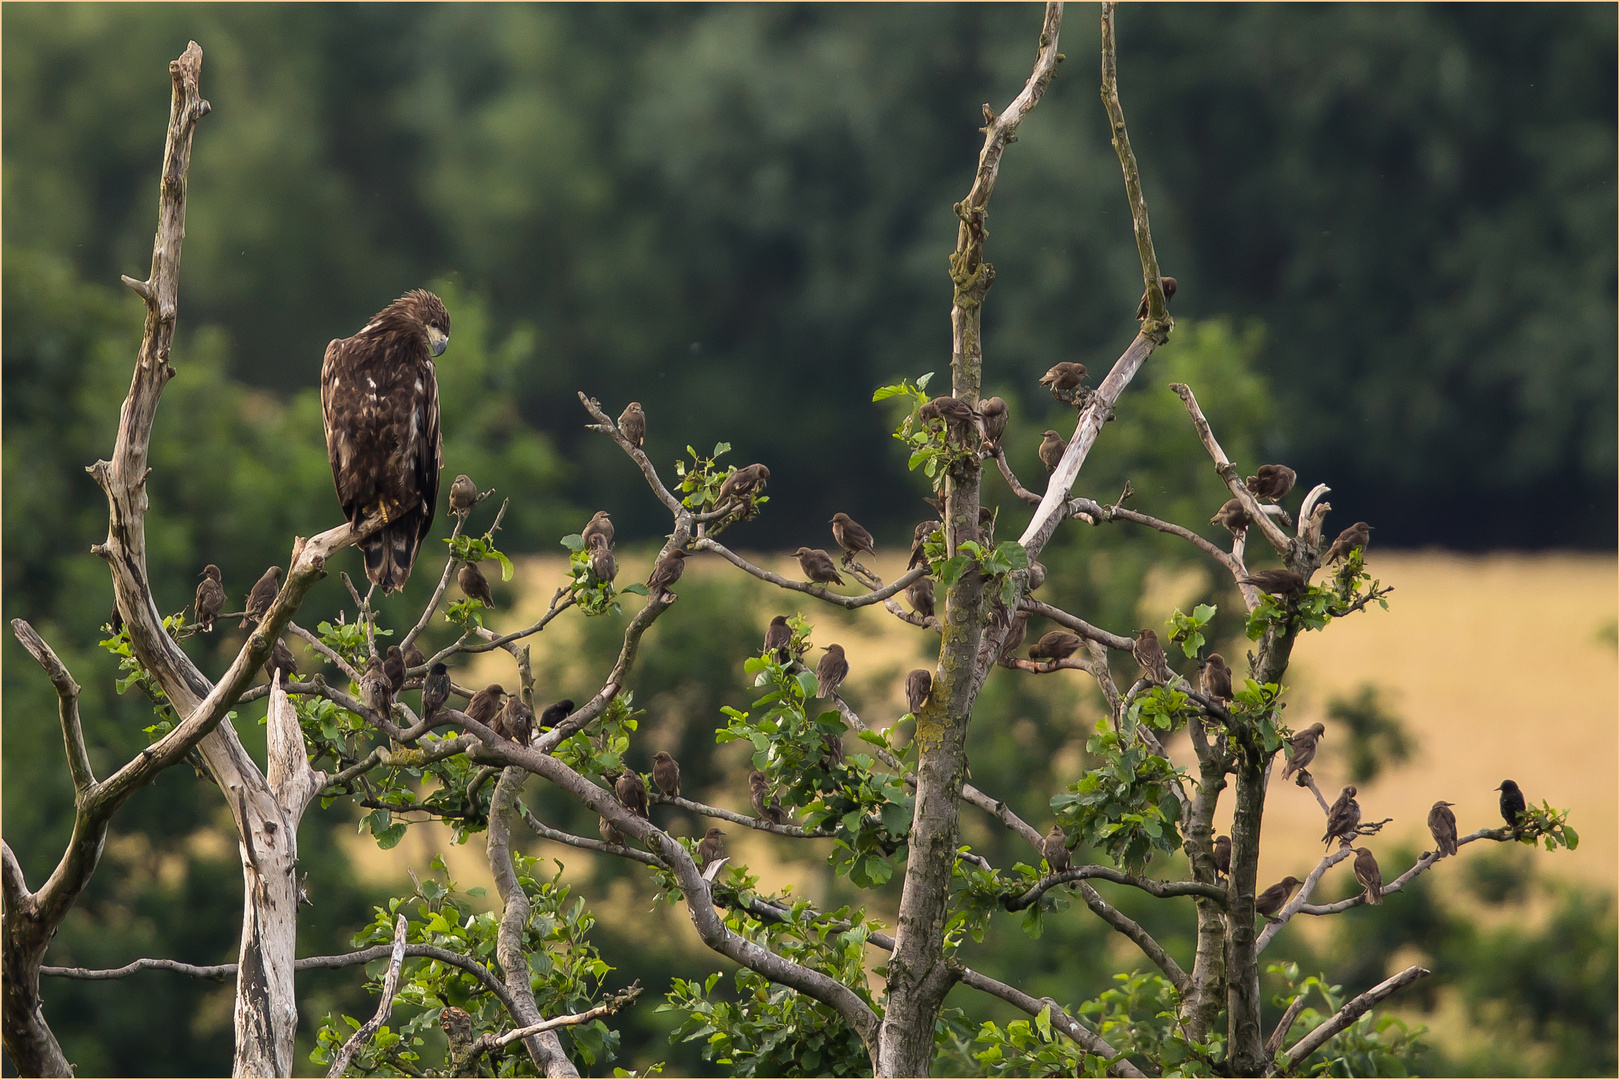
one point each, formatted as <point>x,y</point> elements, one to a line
<point>391,553</point>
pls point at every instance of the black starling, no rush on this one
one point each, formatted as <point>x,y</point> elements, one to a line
<point>435,690</point>
<point>1015,634</point>
<point>993,411</point>
<point>765,804</point>
<point>1303,745</point>
<point>1356,536</point>
<point>556,713</point>
<point>818,566</point>
<point>919,684</point>
<point>463,494</point>
<point>264,591</point>
<point>281,657</point>
<point>473,585</point>
<point>414,657</point>
<point>610,832</point>
<point>778,636</point>
<point>1168,284</point>
<point>633,423</point>
<point>210,598</point>
<point>374,689</point>
<point>394,668</point>
<point>743,483</point>
<point>1223,856</point>
<point>1343,817</point>
<point>666,572</point>
<point>920,594</point>
<point>1272,900</point>
<point>1037,575</point>
<point>1052,446</point>
<point>666,773</point>
<point>1232,516</point>
<point>632,793</point>
<point>516,721</point>
<point>1055,851</point>
<point>1064,376</point>
<point>1443,827</point>
<point>711,849</point>
<point>116,622</point>
<point>1150,654</point>
<point>1511,803</point>
<point>851,537</point>
<point>1217,678</point>
<point>918,539</point>
<point>599,525</point>
<point>1270,482</point>
<point>1055,645</point>
<point>1371,878</point>
<point>485,704</point>
<point>831,671</point>
<point>1276,582</point>
<point>604,567</point>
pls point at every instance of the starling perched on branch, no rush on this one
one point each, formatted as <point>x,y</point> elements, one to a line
<point>920,594</point>
<point>1223,856</point>
<point>633,423</point>
<point>919,538</point>
<point>919,684</point>
<point>210,597</point>
<point>463,495</point>
<point>485,704</point>
<point>1037,575</point>
<point>1371,878</point>
<point>435,690</point>
<point>1150,655</point>
<point>1270,482</point>
<point>264,592</point>
<point>632,793</point>
<point>993,411</point>
<point>556,713</point>
<point>1356,536</point>
<point>610,832</point>
<point>818,566</point>
<point>604,567</point>
<point>1276,582</point>
<point>1272,900</point>
<point>281,657</point>
<point>831,671</point>
<point>778,636</point>
<point>765,804</point>
<point>1052,446</point>
<point>666,572</point>
<point>1168,284</point>
<point>473,584</point>
<point>394,668</point>
<point>115,622</point>
<point>374,689</point>
<point>1064,375</point>
<point>851,537</point>
<point>666,773</point>
<point>711,848</point>
<point>1443,827</point>
<point>832,751</point>
<point>1055,645</point>
<point>1054,849</point>
<point>599,525</point>
<point>1232,516</point>
<point>1303,745</point>
<point>1511,803</point>
<point>516,721</point>
<point>413,657</point>
<point>1015,634</point>
<point>743,483</point>
<point>1343,816</point>
<point>954,411</point>
<point>1217,678</point>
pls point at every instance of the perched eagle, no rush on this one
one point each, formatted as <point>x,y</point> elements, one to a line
<point>380,403</point>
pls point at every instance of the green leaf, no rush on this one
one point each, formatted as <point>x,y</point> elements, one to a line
<point>574,542</point>
<point>884,392</point>
<point>506,565</point>
<point>1203,613</point>
<point>635,588</point>
<point>922,383</point>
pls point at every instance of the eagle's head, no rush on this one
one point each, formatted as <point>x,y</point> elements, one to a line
<point>428,310</point>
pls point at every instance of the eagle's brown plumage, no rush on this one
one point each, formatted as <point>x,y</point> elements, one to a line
<point>380,402</point>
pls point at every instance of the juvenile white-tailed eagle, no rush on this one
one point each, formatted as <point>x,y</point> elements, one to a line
<point>380,402</point>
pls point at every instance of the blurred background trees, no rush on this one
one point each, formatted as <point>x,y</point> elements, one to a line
<point>1392,227</point>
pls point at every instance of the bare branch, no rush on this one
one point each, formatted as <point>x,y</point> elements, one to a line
<point>1151,886</point>
<point>557,836</point>
<point>444,577</point>
<point>1133,930</point>
<point>324,649</point>
<point>345,1054</point>
<point>1080,626</point>
<point>1280,1032</point>
<point>899,585</point>
<point>67,692</point>
<point>614,1003</point>
<point>1348,1015</point>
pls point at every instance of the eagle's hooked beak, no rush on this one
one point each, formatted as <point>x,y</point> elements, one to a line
<point>438,341</point>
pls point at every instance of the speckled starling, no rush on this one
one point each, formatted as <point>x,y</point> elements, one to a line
<point>1168,284</point>
<point>1232,516</point>
<point>765,804</point>
<point>1272,900</point>
<point>1217,678</point>
<point>631,792</point>
<point>1055,645</point>
<point>1064,375</point>
<point>666,773</point>
<point>1443,827</point>
<point>742,483</point>
<point>1270,482</point>
<point>993,411</point>
<point>210,597</point>
<point>920,594</point>
<point>818,566</point>
<point>954,411</point>
<point>666,572</point>
<point>851,537</point>
<point>1303,745</point>
<point>1276,582</point>
<point>604,567</point>
<point>435,690</point>
<point>831,671</point>
<point>1356,536</point>
<point>633,423</point>
<point>1054,849</point>
<point>919,684</point>
<point>711,849</point>
<point>473,585</point>
<point>1511,804</point>
<point>1052,446</point>
<point>263,593</point>
<point>463,494</point>
<point>1150,655</point>
<point>1343,816</point>
<point>515,721</point>
<point>1371,878</point>
<point>374,689</point>
<point>599,525</point>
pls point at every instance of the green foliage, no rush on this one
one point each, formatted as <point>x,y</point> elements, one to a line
<point>601,750</point>
<point>1188,630</point>
<point>1127,807</point>
<point>476,549</point>
<point>1376,1044</point>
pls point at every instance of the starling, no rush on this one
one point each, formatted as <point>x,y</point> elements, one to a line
<point>485,704</point>
<point>954,411</point>
<point>599,525</point>
<point>918,539</point>
<point>919,684</point>
<point>666,773</point>
<point>610,832</point>
<point>516,721</point>
<point>264,591</point>
<point>435,690</point>
<point>1303,745</point>
<point>1037,575</point>
<point>1356,536</point>
<point>1371,878</point>
<point>632,792</point>
<point>1015,634</point>
<point>1150,654</point>
<point>473,585</point>
<point>394,668</point>
<point>1217,678</point>
<point>1270,482</point>
<point>1271,901</point>
<point>1511,804</point>
<point>1168,284</point>
<point>832,751</point>
<point>1344,816</point>
<point>281,657</point>
<point>1443,827</point>
<point>463,495</point>
<point>851,537</point>
<point>1055,645</point>
<point>993,411</point>
<point>766,805</point>
<point>116,622</point>
<point>711,848</point>
<point>1054,849</point>
<point>1276,582</point>
<point>743,483</point>
<point>556,713</point>
<point>831,671</point>
<point>920,594</point>
<point>374,689</point>
<point>666,572</point>
<point>1233,516</point>
<point>1052,446</point>
<point>210,598</point>
<point>1064,376</point>
<point>1223,856</point>
<point>633,423</point>
<point>818,566</point>
<point>414,657</point>
<point>778,636</point>
<point>604,567</point>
